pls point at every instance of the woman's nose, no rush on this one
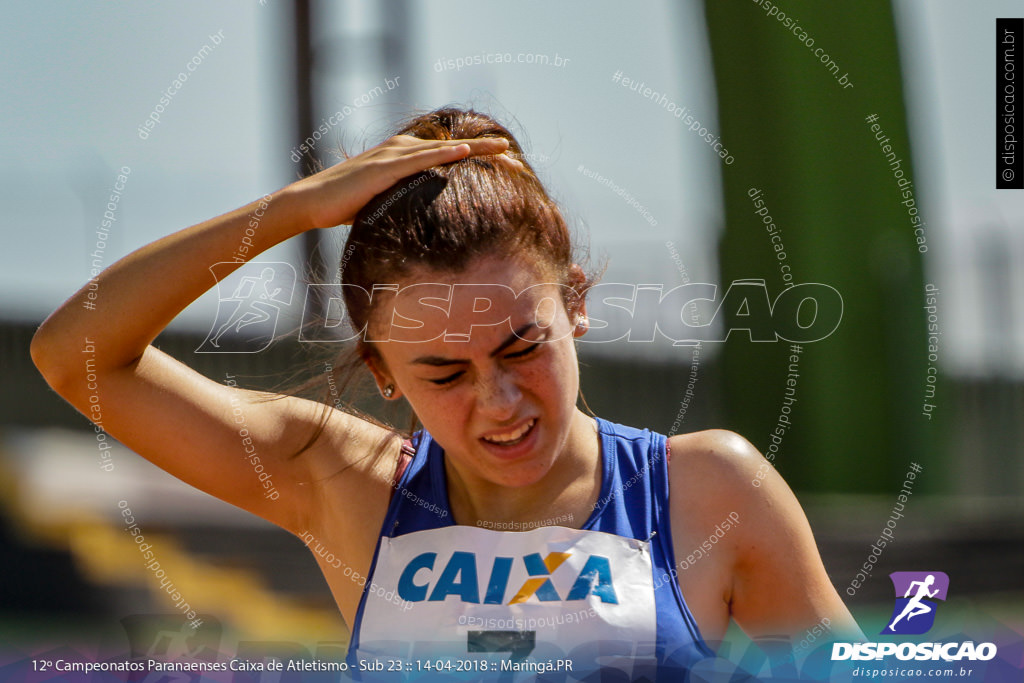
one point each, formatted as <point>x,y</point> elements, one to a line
<point>498,396</point>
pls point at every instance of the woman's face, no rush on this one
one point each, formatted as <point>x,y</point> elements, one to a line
<point>499,394</point>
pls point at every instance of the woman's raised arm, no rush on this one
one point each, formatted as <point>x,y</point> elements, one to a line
<point>172,415</point>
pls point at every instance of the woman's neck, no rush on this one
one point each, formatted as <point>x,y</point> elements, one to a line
<point>564,496</point>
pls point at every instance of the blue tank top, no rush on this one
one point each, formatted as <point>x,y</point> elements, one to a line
<point>456,602</point>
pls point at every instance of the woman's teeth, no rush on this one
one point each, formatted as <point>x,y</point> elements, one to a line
<point>513,436</point>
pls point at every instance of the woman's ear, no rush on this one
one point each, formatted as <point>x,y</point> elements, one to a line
<point>581,320</point>
<point>385,384</point>
<point>577,280</point>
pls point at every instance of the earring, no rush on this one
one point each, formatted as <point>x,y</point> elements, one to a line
<point>389,391</point>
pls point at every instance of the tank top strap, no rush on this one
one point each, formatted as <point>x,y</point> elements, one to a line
<point>404,458</point>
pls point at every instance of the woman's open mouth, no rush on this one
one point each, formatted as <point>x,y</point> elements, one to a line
<point>504,443</point>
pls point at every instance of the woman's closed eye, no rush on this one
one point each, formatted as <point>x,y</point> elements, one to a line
<point>523,352</point>
<point>447,380</point>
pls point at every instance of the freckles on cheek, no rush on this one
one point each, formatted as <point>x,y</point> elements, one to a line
<point>554,377</point>
<point>439,408</point>
<point>446,420</point>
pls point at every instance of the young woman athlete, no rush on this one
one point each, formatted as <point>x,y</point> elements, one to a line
<point>464,287</point>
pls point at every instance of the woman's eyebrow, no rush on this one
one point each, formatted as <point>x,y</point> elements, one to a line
<point>441,361</point>
<point>513,338</point>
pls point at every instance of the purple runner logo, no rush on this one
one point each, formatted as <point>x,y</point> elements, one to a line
<point>916,596</point>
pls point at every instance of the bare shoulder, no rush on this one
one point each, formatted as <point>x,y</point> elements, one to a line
<point>710,485</point>
<point>717,474</point>
<point>714,469</point>
<point>709,480</point>
<point>715,451</point>
<point>776,580</point>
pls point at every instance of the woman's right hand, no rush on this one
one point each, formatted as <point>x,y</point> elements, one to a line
<point>186,423</point>
<point>335,195</point>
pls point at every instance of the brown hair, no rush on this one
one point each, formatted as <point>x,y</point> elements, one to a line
<point>443,219</point>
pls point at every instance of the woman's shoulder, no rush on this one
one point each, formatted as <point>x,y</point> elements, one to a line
<point>725,492</point>
<point>714,474</point>
<point>717,452</point>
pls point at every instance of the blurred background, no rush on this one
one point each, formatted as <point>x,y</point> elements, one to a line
<point>92,92</point>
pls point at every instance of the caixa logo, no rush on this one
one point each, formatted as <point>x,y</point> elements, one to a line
<point>460,577</point>
<point>916,601</point>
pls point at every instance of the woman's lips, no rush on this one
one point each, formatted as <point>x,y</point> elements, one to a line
<point>511,435</point>
<point>513,442</point>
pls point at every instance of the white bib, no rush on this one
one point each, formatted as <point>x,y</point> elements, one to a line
<point>468,593</point>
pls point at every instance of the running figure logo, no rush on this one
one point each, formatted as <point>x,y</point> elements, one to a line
<point>247,318</point>
<point>914,612</point>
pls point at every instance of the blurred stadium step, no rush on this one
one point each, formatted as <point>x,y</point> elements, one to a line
<point>215,559</point>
